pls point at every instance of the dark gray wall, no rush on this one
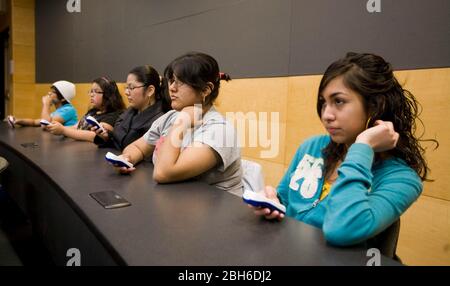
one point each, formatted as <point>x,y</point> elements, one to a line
<point>249,38</point>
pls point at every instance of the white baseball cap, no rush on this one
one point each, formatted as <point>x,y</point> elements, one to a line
<point>67,89</point>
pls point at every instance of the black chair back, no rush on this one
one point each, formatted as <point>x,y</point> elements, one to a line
<point>387,240</point>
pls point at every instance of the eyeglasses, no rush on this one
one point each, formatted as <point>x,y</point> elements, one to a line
<point>176,82</point>
<point>131,88</point>
<point>94,91</point>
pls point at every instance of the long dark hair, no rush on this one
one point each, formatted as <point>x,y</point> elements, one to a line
<point>150,77</point>
<point>111,100</point>
<point>383,98</point>
<point>197,70</point>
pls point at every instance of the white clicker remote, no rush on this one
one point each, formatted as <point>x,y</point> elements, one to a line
<point>259,200</point>
<point>92,121</point>
<point>44,122</point>
<point>117,161</point>
<point>11,121</point>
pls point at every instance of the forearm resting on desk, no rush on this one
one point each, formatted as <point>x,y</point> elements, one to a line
<point>137,151</point>
<point>82,135</point>
<point>28,122</point>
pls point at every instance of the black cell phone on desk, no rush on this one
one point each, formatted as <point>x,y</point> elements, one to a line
<point>110,199</point>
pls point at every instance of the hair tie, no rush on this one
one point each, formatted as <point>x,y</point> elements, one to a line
<point>224,76</point>
<point>106,79</point>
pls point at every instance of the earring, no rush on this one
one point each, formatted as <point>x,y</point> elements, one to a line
<point>368,121</point>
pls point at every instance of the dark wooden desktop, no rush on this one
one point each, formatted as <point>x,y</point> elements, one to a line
<point>190,223</point>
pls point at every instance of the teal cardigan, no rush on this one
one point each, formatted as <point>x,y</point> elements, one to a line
<point>365,199</point>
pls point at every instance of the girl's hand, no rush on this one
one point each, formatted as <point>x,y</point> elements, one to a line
<point>46,100</point>
<point>103,134</point>
<point>124,170</point>
<point>381,137</point>
<point>270,193</point>
<point>56,128</point>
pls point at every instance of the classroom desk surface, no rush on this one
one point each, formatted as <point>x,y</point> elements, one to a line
<point>189,223</point>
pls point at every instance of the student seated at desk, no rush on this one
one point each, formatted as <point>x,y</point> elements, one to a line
<point>191,141</point>
<point>148,100</point>
<point>60,96</point>
<point>106,106</point>
<point>360,178</point>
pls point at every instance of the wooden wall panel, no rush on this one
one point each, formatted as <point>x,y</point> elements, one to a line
<point>432,90</point>
<point>24,101</point>
<point>23,56</point>
<point>21,18</point>
<point>302,119</point>
<point>121,87</point>
<point>425,233</point>
<point>81,102</point>
<point>252,96</point>
<point>24,4</point>
<point>24,64</point>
